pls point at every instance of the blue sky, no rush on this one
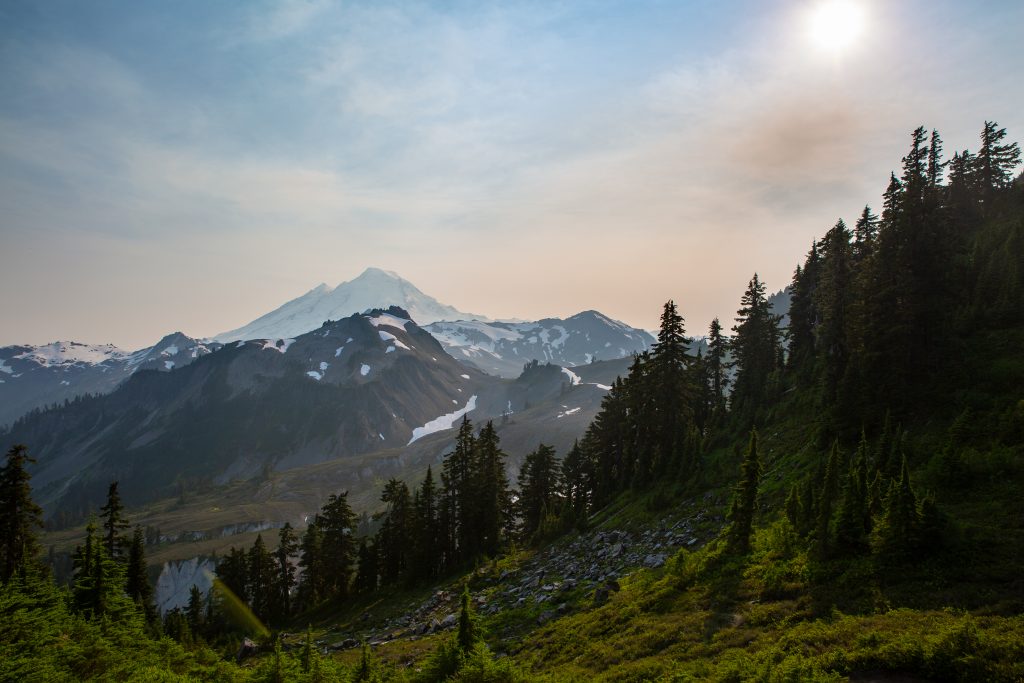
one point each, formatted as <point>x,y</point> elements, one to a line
<point>191,165</point>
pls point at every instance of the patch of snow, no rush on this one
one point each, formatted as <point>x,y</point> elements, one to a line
<point>601,386</point>
<point>337,351</point>
<point>279,345</point>
<point>171,350</point>
<point>364,370</point>
<point>388,320</point>
<point>168,365</point>
<point>464,376</point>
<point>573,377</point>
<point>571,411</point>
<point>386,336</point>
<point>381,436</point>
<point>389,349</point>
<point>439,424</point>
<point>324,365</point>
<point>10,371</point>
<point>315,375</point>
<point>399,344</point>
<point>240,344</point>
<point>72,353</point>
<point>65,383</point>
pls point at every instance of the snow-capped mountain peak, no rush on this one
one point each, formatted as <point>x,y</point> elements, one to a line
<point>374,288</point>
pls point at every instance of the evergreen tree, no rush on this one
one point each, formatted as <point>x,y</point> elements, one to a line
<point>20,517</point>
<point>457,486</point>
<point>262,580</point>
<point>853,522</point>
<point>577,475</point>
<point>826,504</point>
<point>718,347</point>
<point>935,163</point>
<point>233,573</point>
<point>366,568</point>
<point>337,521</point>
<point>287,548</point>
<point>996,161</point>
<point>494,501</point>
<point>672,395</point>
<point>394,540</point>
<point>114,524</point>
<point>426,539</point>
<point>744,500</point>
<point>898,531</point>
<point>755,348</point>
<point>468,634</point>
<point>539,487</point>
<point>865,232</point>
<point>137,584</point>
<point>194,612</point>
<point>313,587</point>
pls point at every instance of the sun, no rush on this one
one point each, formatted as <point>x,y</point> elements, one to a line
<point>835,25</point>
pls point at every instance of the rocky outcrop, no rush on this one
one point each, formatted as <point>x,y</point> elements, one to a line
<point>176,581</point>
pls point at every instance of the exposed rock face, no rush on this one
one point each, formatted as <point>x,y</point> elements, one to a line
<point>176,581</point>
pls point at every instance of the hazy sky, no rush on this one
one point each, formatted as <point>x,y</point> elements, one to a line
<point>192,165</point>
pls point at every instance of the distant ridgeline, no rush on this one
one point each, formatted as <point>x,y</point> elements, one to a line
<point>879,440</point>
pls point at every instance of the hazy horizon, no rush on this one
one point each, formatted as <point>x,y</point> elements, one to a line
<point>192,167</point>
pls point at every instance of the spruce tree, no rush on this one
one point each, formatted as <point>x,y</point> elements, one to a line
<point>755,348</point>
<point>899,527</point>
<point>996,161</point>
<point>426,538</point>
<point>137,584</point>
<point>337,522</point>
<point>194,612</point>
<point>114,523</point>
<point>826,504</point>
<point>313,586</point>
<point>576,480</point>
<point>366,567</point>
<point>744,500</point>
<point>394,540</point>
<point>468,634</point>
<point>493,499</point>
<point>287,548</point>
<point>20,517</point>
<point>718,347</point>
<point>458,491</point>
<point>673,396</point>
<point>262,580</point>
<point>539,486</point>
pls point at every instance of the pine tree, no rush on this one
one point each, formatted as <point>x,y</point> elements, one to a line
<point>826,504</point>
<point>755,348</point>
<point>287,548</point>
<point>262,583</point>
<point>672,395</point>
<point>744,501</point>
<point>577,478</point>
<point>468,631</point>
<point>995,161</point>
<point>114,523</point>
<point>853,522</point>
<point>194,612</point>
<point>426,540</point>
<point>337,522</point>
<point>899,527</point>
<point>20,517</point>
<point>539,486</point>
<point>137,584</point>
<point>494,501</point>
<point>865,232</point>
<point>457,485</point>
<point>366,568</point>
<point>718,347</point>
<point>394,540</point>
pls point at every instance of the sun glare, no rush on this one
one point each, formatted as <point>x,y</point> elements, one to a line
<point>835,25</point>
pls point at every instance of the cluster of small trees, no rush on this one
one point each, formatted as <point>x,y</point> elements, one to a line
<point>865,503</point>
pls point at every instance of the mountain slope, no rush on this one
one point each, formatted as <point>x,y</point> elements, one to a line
<point>503,348</point>
<point>353,386</point>
<point>36,376</point>
<point>374,288</point>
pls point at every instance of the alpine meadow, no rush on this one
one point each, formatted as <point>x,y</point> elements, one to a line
<point>802,459</point>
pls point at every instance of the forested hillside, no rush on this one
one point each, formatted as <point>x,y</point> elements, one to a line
<point>834,499</point>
